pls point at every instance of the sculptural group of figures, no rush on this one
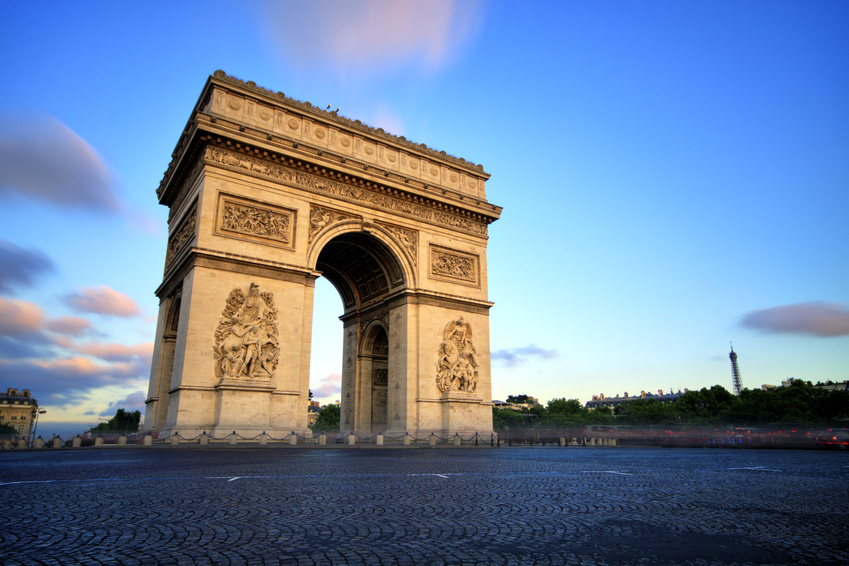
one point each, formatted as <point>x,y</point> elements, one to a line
<point>457,368</point>
<point>246,342</point>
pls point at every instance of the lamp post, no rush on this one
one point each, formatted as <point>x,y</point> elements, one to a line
<point>35,413</point>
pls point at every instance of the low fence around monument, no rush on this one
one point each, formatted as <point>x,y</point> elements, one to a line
<point>590,436</point>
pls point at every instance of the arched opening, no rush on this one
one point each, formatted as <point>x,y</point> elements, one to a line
<point>367,274</point>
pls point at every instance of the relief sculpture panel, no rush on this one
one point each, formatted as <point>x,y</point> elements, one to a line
<point>245,219</point>
<point>246,340</point>
<point>453,265</point>
<point>457,369</point>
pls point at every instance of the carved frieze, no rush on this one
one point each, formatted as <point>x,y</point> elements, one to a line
<point>321,217</point>
<point>184,234</point>
<point>457,369</point>
<point>409,240</point>
<point>251,220</point>
<point>335,188</point>
<point>246,340</point>
<point>453,265</point>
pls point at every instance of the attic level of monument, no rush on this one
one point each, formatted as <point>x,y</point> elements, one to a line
<point>260,129</point>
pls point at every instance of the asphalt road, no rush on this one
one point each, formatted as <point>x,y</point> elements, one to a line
<point>434,506</point>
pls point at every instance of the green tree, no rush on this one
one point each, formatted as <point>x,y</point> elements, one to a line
<point>328,419</point>
<point>506,418</point>
<point>123,421</point>
<point>6,428</point>
<point>518,399</point>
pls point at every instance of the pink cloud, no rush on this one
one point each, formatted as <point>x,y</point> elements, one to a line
<point>19,317</point>
<point>103,300</point>
<point>815,318</point>
<point>374,34</point>
<point>41,158</point>
<point>118,352</point>
<point>70,326</point>
<point>329,386</point>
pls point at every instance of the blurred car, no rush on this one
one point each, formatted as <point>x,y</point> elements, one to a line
<point>833,438</point>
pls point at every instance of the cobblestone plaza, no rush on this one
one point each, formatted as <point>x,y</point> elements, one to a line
<point>370,506</point>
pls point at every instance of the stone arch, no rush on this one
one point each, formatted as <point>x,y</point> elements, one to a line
<point>289,193</point>
<point>374,375</point>
<point>364,266</point>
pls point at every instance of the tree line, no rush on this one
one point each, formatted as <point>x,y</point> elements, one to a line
<point>799,403</point>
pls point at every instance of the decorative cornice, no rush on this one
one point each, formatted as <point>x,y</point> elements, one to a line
<point>354,124</point>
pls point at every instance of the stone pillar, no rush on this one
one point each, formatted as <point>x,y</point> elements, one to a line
<point>77,442</point>
<point>122,440</point>
<point>57,442</point>
<point>263,439</point>
<point>322,440</point>
<point>98,442</point>
<point>457,440</point>
<point>204,439</point>
<point>148,440</point>
<point>175,439</point>
<point>293,439</point>
<point>39,443</point>
<point>379,440</point>
<point>352,440</point>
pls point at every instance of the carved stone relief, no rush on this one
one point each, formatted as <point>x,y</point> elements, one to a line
<point>381,377</point>
<point>321,217</point>
<point>182,236</point>
<point>454,265</point>
<point>457,366</point>
<point>246,340</point>
<point>255,221</point>
<point>335,188</point>
<point>409,240</point>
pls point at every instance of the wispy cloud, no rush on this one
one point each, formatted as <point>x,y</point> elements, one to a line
<point>42,159</point>
<point>20,266</point>
<point>118,352</point>
<point>103,300</point>
<point>70,326</point>
<point>328,386</point>
<point>815,318</point>
<point>515,356</point>
<point>19,318</point>
<point>372,35</point>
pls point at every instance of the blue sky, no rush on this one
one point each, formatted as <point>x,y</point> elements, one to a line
<point>674,176</point>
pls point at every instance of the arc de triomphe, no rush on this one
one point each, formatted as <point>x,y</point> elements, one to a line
<point>266,194</point>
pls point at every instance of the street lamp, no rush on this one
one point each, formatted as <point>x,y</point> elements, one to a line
<point>35,413</point>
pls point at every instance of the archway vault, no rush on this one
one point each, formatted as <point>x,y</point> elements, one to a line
<point>266,194</point>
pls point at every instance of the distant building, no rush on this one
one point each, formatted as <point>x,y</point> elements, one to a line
<point>532,402</point>
<point>18,408</point>
<point>312,412</point>
<point>611,402</point>
<point>833,386</point>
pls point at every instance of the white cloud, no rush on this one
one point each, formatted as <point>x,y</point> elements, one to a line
<point>815,318</point>
<point>372,35</point>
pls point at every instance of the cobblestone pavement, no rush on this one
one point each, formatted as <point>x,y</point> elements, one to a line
<point>443,506</point>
